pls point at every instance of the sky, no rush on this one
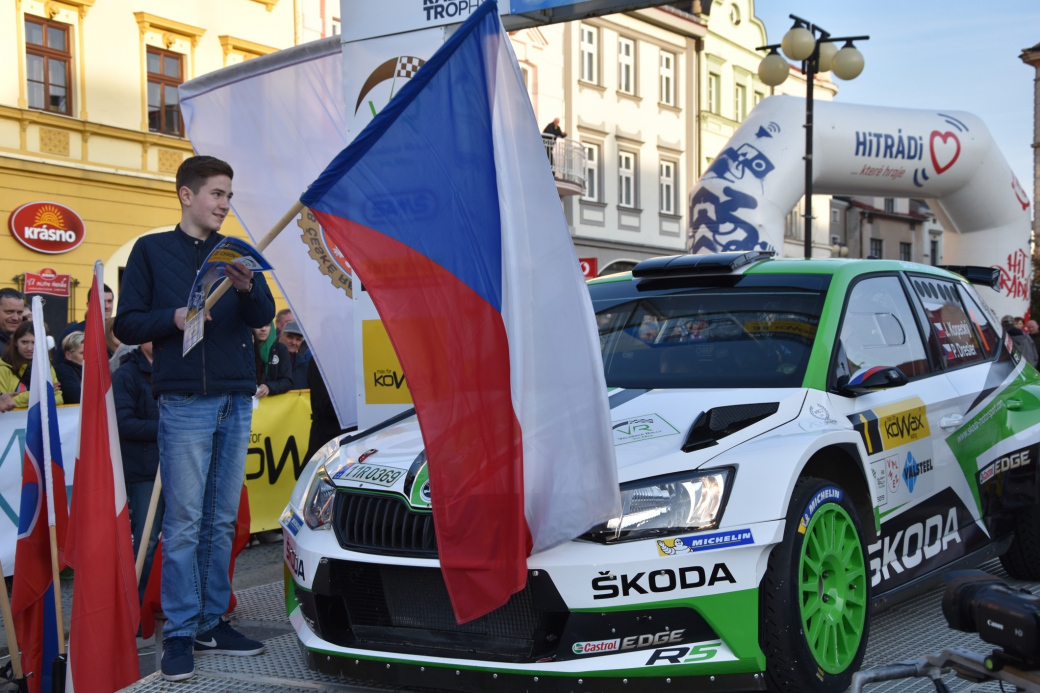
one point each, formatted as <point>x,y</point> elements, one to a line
<point>936,55</point>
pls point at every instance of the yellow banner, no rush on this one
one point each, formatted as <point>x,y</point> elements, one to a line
<point>384,378</point>
<point>277,445</point>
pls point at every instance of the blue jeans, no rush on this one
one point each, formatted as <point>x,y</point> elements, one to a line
<point>202,458</point>
<point>139,495</point>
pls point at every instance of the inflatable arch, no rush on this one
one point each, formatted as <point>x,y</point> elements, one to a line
<point>741,201</point>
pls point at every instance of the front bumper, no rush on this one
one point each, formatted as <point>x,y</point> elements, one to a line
<point>591,617</point>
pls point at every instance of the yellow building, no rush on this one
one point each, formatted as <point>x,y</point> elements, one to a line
<point>89,118</point>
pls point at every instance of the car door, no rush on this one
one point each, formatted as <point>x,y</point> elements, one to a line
<point>920,522</point>
<point>993,443</point>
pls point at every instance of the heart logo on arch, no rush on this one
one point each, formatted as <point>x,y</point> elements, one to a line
<point>944,153</point>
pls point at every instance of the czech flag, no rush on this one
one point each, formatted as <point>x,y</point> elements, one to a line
<point>446,209</point>
<point>43,474</point>
<point>105,612</point>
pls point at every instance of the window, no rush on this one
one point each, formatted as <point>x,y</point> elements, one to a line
<point>934,252</point>
<point>793,223</point>
<point>987,333</point>
<point>626,65</point>
<point>667,78</point>
<point>877,248</point>
<point>589,54</point>
<point>164,74</point>
<point>48,60</point>
<point>626,179</point>
<point>835,216</point>
<point>904,252</point>
<point>592,187</point>
<point>758,97</point>
<point>951,325</point>
<point>890,205</point>
<point>879,329</point>
<point>739,103</point>
<point>741,331</point>
<point>668,188</point>
<point>714,82</point>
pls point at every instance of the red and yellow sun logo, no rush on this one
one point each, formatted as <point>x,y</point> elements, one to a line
<point>49,215</point>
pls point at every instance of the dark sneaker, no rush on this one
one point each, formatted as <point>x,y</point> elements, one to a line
<point>178,661</point>
<point>223,639</point>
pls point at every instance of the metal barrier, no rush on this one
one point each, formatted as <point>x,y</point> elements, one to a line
<point>566,158</point>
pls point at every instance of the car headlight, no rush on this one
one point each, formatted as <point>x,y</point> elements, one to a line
<point>665,507</point>
<point>317,508</point>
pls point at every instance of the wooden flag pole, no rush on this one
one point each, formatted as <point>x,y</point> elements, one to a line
<point>56,577</point>
<point>278,227</point>
<point>12,638</point>
<point>149,520</point>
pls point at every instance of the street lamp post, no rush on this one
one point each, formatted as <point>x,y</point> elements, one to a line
<point>815,48</point>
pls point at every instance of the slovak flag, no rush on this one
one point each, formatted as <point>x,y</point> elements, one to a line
<point>446,209</point>
<point>105,611</point>
<point>43,475</point>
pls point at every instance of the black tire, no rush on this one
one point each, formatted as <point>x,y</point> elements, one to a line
<point>1022,559</point>
<point>791,666</point>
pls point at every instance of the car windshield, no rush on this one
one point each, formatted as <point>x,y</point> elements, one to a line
<point>718,332</point>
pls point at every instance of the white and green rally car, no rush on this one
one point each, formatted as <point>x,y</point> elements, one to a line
<point>798,443</point>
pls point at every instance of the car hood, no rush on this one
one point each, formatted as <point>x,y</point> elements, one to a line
<point>649,429</point>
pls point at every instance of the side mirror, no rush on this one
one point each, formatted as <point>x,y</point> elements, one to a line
<point>871,380</point>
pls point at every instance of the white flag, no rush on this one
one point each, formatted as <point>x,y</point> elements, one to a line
<point>279,120</point>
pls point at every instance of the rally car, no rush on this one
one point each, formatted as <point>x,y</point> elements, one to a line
<point>798,443</point>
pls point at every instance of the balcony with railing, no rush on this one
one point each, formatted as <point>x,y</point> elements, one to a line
<point>567,160</point>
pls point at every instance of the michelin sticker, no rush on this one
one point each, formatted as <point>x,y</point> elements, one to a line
<point>639,428</point>
<point>829,493</point>
<point>704,542</point>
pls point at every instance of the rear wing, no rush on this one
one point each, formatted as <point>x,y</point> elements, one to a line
<point>983,276</point>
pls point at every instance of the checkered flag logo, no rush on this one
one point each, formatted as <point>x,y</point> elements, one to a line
<point>408,65</point>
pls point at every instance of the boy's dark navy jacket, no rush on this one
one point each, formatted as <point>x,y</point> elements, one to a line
<point>156,282</point>
<point>137,414</point>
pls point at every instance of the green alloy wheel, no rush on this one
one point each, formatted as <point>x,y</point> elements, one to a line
<point>815,596</point>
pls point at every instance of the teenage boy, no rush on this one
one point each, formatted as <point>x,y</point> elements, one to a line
<point>205,410</point>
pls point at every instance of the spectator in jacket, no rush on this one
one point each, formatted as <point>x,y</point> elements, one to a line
<point>16,367</point>
<point>1021,340</point>
<point>70,370</point>
<point>205,410</point>
<point>12,305</point>
<point>273,376</point>
<point>324,422</point>
<point>82,325</point>
<point>137,414</point>
<point>283,316</point>
<point>299,354</point>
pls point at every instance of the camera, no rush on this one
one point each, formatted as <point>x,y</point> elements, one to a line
<point>1004,616</point>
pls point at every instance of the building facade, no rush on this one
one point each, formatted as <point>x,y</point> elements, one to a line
<point>89,118</point>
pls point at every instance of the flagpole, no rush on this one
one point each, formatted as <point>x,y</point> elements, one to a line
<point>149,520</point>
<point>41,366</point>
<point>278,227</point>
<point>12,637</point>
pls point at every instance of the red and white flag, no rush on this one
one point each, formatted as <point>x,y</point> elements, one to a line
<point>105,611</point>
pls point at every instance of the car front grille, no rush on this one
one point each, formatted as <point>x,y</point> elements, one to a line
<point>407,609</point>
<point>383,524</point>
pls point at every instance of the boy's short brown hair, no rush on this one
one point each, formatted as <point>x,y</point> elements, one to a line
<point>196,170</point>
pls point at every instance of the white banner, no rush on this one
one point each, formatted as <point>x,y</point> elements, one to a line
<point>12,452</point>
<point>279,120</point>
